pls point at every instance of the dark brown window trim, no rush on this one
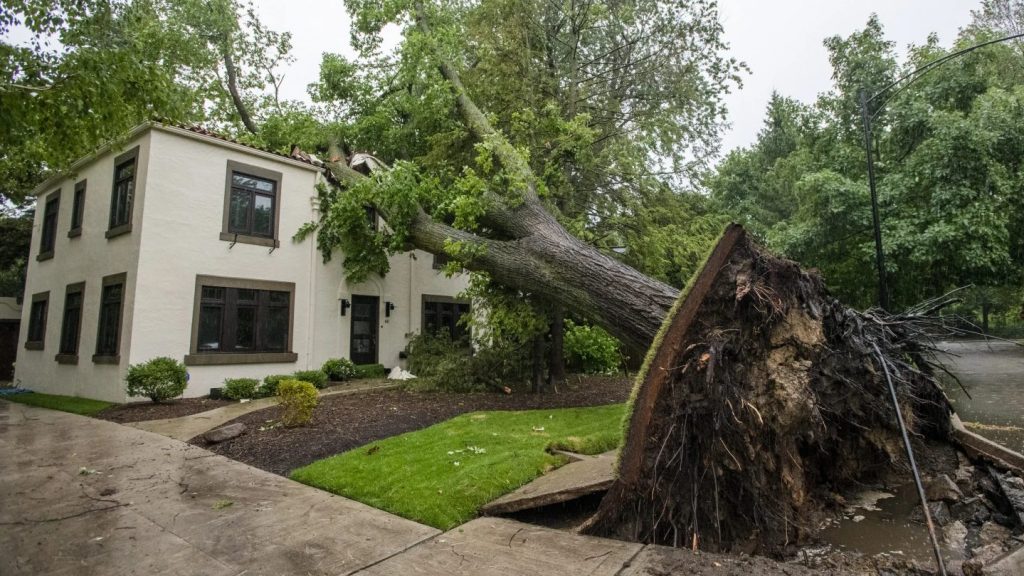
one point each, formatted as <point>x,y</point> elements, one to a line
<point>38,344</point>
<point>66,358</point>
<point>246,239</point>
<point>234,357</point>
<point>125,228</point>
<point>278,178</point>
<point>216,359</point>
<point>44,256</point>
<point>76,231</point>
<point>122,279</point>
<point>119,230</point>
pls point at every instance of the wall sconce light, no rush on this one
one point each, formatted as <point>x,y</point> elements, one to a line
<point>344,306</point>
<point>388,307</point>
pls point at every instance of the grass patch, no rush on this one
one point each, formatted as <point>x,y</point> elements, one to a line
<point>441,475</point>
<point>73,404</point>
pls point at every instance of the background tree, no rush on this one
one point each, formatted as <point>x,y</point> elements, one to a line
<point>948,152</point>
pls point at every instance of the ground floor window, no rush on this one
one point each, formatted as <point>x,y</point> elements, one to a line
<point>71,326</point>
<point>108,335</point>
<point>237,317</point>
<point>442,314</point>
<point>37,321</point>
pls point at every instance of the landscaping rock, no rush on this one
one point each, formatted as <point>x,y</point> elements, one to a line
<point>225,433</point>
<point>1013,488</point>
<point>939,510</point>
<point>992,533</point>
<point>973,510</point>
<point>943,488</point>
<point>955,536</point>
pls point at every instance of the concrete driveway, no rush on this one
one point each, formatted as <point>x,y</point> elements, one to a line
<point>83,496</point>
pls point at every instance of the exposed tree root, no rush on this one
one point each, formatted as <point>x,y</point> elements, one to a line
<point>763,398</point>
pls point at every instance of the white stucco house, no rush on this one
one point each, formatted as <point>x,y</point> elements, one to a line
<point>178,242</point>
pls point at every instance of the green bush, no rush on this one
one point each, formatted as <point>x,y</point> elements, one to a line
<point>315,377</point>
<point>590,349</point>
<point>339,369</point>
<point>298,399</point>
<point>269,385</point>
<point>158,379</point>
<point>370,371</point>
<point>239,388</point>
<point>440,363</point>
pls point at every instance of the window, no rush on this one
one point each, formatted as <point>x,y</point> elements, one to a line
<point>125,168</point>
<point>440,261</point>
<point>71,327</point>
<point>251,205</point>
<point>442,314</point>
<point>242,321</point>
<point>371,217</point>
<point>49,232</point>
<point>37,321</point>
<point>77,210</point>
<point>108,335</point>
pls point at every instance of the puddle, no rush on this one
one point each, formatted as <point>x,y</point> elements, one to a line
<point>878,522</point>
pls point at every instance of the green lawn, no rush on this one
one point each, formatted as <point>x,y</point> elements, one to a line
<point>442,475</point>
<point>73,404</point>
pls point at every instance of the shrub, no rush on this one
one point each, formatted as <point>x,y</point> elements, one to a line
<point>298,399</point>
<point>315,377</point>
<point>239,388</point>
<point>590,349</point>
<point>269,386</point>
<point>158,379</point>
<point>339,369</point>
<point>440,363</point>
<point>370,371</point>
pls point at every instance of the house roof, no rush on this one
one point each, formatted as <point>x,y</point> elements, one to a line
<point>297,158</point>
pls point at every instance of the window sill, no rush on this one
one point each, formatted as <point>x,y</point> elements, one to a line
<point>74,233</point>
<point>66,358</point>
<point>246,239</point>
<point>215,359</point>
<point>119,230</point>
<point>44,256</point>
<point>33,345</point>
<point>106,359</point>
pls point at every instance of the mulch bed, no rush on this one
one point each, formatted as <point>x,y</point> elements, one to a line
<point>347,421</point>
<point>140,411</point>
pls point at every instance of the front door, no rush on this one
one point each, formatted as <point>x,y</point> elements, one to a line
<point>364,329</point>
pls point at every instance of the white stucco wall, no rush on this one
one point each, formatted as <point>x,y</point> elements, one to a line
<point>86,258</point>
<point>184,219</point>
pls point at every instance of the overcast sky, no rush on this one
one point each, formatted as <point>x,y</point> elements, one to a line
<point>781,41</point>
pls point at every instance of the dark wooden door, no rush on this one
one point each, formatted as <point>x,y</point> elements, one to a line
<point>364,329</point>
<point>8,348</point>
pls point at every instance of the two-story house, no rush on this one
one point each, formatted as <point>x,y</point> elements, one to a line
<point>178,242</point>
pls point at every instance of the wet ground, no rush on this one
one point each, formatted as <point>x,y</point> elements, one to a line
<point>993,374</point>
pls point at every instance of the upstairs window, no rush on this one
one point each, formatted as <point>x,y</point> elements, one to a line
<point>123,195</point>
<point>71,327</point>
<point>108,334</point>
<point>77,210</point>
<point>37,321</point>
<point>251,205</point>
<point>49,229</point>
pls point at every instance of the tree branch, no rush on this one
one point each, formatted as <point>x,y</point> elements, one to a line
<point>236,97</point>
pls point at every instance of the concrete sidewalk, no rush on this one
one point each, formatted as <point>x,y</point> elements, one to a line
<point>80,496</point>
<point>185,428</point>
<point>84,496</point>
